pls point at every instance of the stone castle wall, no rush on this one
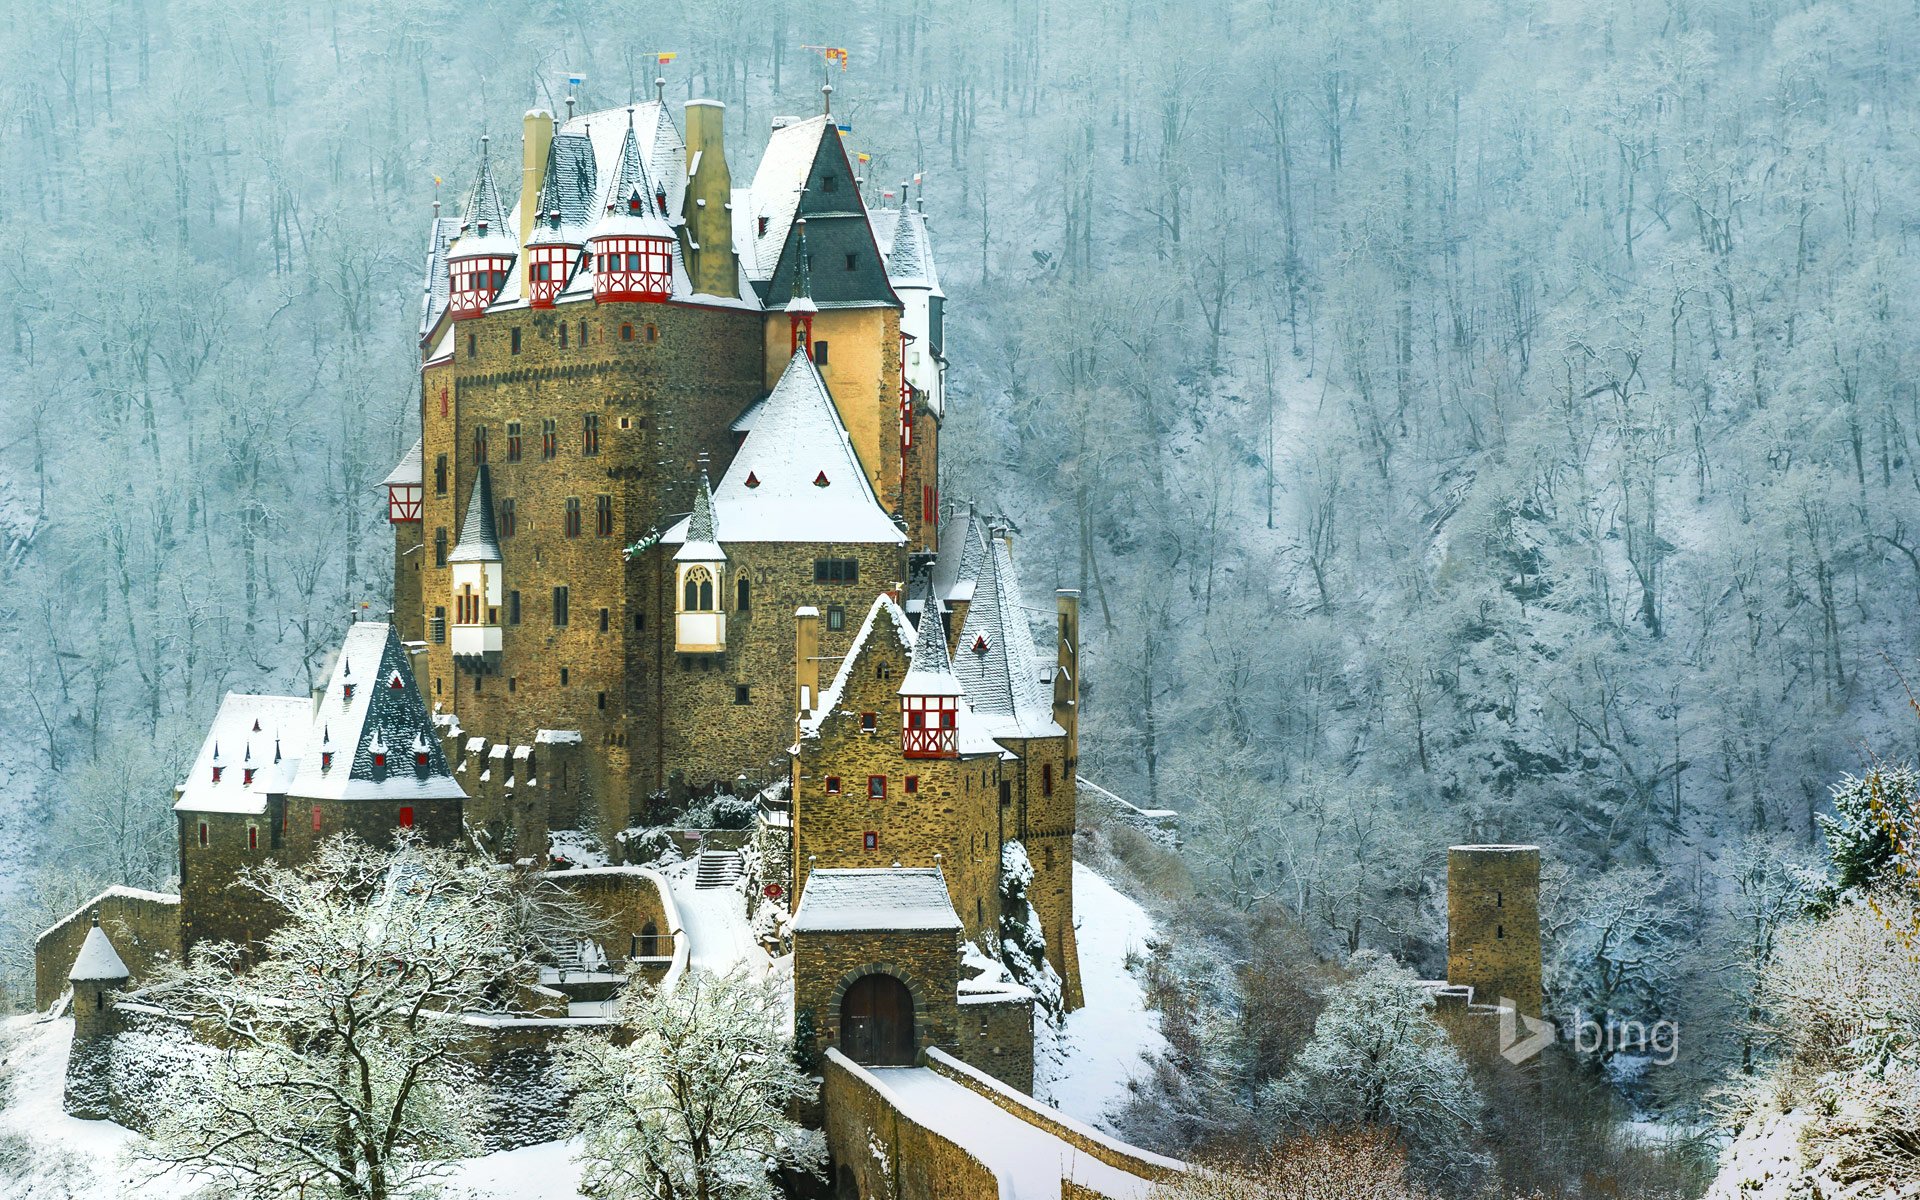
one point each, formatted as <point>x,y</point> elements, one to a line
<point>878,1151</point>
<point>144,928</point>
<point>1493,923</point>
<point>826,964</point>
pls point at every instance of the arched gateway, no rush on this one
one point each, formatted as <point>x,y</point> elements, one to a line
<point>876,1022</point>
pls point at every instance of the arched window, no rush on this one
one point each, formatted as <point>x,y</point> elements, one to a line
<point>697,594</point>
<point>743,594</point>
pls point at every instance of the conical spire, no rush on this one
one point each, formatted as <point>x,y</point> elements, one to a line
<point>631,175</point>
<point>802,277</point>
<point>478,541</point>
<point>483,201</point>
<point>931,672</point>
<point>703,538</point>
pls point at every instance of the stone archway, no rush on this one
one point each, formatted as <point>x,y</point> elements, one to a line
<point>876,1022</point>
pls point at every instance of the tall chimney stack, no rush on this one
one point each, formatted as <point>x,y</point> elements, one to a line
<point>1066,673</point>
<point>536,139</point>
<point>708,208</point>
<point>806,659</point>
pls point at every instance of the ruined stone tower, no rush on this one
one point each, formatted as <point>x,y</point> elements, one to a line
<point>1493,923</point>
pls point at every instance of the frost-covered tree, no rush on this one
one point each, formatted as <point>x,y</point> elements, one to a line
<point>340,1071</point>
<point>1377,1058</point>
<point>1023,943</point>
<point>1871,813</point>
<point>691,1101</point>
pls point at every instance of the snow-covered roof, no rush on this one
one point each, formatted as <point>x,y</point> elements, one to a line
<point>571,183</point>
<point>962,557</point>
<point>774,195</point>
<point>910,254</point>
<point>890,899</point>
<point>883,614</point>
<point>797,477</point>
<point>630,209</point>
<point>433,301</point>
<point>995,657</point>
<point>478,542</point>
<point>702,543</point>
<point>931,674</point>
<point>256,741</point>
<point>662,155</point>
<point>410,469</point>
<point>372,707</point>
<point>97,960</point>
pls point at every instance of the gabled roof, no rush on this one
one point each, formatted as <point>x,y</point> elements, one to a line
<point>995,657</point>
<point>930,674</point>
<point>410,470</point>
<point>797,477</point>
<point>962,557</point>
<point>478,542</point>
<point>383,715</point>
<point>774,194</point>
<point>906,899</point>
<point>805,172</point>
<point>97,961</point>
<point>885,619</point>
<point>264,735</point>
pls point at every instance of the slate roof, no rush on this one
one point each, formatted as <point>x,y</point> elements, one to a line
<point>433,301</point>
<point>263,733</point>
<point>410,469</point>
<point>962,557</point>
<point>478,542</point>
<point>97,960</point>
<point>572,181</point>
<point>995,658</point>
<point>702,544</point>
<point>931,673</point>
<point>483,198</point>
<point>883,899</point>
<point>883,614</point>
<point>631,203</point>
<point>384,715</point>
<point>805,172</point>
<point>910,255</point>
<point>797,478</point>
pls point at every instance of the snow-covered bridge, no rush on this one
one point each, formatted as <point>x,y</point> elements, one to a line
<point>945,1130</point>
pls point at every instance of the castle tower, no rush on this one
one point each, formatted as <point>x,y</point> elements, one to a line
<point>1493,924</point>
<point>97,973</point>
<point>476,571</point>
<point>699,575</point>
<point>632,243</point>
<point>930,693</point>
<point>707,211</point>
<point>404,495</point>
<point>480,258</point>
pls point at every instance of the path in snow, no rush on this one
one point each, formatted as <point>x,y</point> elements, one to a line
<point>1029,1161</point>
<point>715,920</point>
<point>540,1172</point>
<point>1083,1070</point>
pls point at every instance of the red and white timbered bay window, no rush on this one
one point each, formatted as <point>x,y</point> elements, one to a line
<point>548,266</point>
<point>929,726</point>
<point>473,282</point>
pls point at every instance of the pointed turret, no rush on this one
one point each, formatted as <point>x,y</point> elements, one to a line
<point>476,580</point>
<point>564,213</point>
<point>632,243</point>
<point>700,572</point>
<point>930,691</point>
<point>481,257</point>
<point>801,309</point>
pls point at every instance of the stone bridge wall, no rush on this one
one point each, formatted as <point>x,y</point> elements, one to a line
<point>878,1152</point>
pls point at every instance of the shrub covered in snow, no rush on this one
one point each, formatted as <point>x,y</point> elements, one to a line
<point>1023,944</point>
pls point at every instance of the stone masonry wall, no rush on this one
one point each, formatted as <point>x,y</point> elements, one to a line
<point>1493,923</point>
<point>953,811</point>
<point>628,901</point>
<point>826,964</point>
<point>877,1153</point>
<point>212,908</point>
<point>143,926</point>
<point>995,1034</point>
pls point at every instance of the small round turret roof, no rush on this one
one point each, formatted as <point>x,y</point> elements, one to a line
<point>98,961</point>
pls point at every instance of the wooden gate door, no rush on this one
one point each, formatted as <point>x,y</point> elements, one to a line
<point>876,1022</point>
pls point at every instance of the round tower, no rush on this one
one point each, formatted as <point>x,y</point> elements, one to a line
<point>97,973</point>
<point>1493,924</point>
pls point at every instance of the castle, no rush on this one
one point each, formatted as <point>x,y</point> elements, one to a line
<point>673,527</point>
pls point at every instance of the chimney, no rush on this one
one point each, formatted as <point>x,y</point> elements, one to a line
<point>708,207</point>
<point>806,659</point>
<point>1066,672</point>
<point>536,139</point>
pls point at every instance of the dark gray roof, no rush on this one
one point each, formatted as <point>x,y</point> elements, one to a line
<point>372,705</point>
<point>836,232</point>
<point>478,541</point>
<point>434,302</point>
<point>483,199</point>
<point>631,172</point>
<point>995,657</point>
<point>700,525</point>
<point>571,181</point>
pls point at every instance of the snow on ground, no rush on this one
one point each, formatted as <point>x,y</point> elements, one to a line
<point>1029,1161</point>
<point>1083,1070</point>
<point>719,937</point>
<point>1763,1163</point>
<point>47,1155</point>
<point>542,1172</point>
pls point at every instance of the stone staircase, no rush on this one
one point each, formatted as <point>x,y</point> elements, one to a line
<point>717,869</point>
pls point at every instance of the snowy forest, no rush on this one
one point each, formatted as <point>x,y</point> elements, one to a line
<point>1488,421</point>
